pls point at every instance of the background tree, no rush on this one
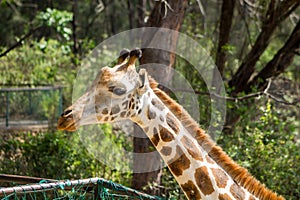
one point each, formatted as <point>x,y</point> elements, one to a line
<point>244,80</point>
<point>165,14</point>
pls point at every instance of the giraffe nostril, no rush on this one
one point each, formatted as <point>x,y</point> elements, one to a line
<point>66,112</point>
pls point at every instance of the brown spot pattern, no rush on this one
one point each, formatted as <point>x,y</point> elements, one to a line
<point>105,75</point>
<point>155,138</point>
<point>179,163</point>
<point>220,177</point>
<point>203,180</point>
<point>132,106</point>
<point>243,177</point>
<point>161,118</point>
<point>105,111</point>
<point>125,103</point>
<point>166,151</point>
<point>155,131</point>
<point>137,106</point>
<point>165,134</point>
<point>115,109</point>
<point>146,129</point>
<point>209,160</point>
<point>171,121</point>
<point>191,190</point>
<point>129,105</point>
<point>224,197</point>
<point>123,114</point>
<point>237,192</point>
<point>192,149</point>
<point>251,198</point>
<point>150,113</point>
<point>157,104</point>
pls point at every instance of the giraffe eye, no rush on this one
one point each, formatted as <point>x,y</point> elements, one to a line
<point>117,90</point>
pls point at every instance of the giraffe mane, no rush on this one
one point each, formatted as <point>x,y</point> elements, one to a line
<point>237,173</point>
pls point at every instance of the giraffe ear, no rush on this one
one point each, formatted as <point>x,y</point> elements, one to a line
<point>133,55</point>
<point>123,56</point>
<point>143,81</point>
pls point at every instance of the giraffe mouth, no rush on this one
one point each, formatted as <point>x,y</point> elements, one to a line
<point>67,121</point>
<point>71,119</point>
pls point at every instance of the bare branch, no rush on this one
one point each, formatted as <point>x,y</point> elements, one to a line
<point>274,16</point>
<point>243,16</point>
<point>282,59</point>
<point>265,92</point>
<point>19,42</point>
<point>166,7</point>
<point>285,8</point>
<point>201,7</point>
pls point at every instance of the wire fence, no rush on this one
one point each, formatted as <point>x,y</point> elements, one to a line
<point>92,188</point>
<point>30,106</point>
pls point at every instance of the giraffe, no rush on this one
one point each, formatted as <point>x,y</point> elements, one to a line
<point>201,168</point>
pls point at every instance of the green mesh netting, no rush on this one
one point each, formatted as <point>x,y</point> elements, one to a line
<point>93,188</point>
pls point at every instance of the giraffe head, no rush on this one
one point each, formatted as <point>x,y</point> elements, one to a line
<point>113,96</point>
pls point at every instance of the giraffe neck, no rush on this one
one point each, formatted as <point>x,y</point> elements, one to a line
<point>201,168</point>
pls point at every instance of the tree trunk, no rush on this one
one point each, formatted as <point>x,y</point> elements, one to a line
<point>130,14</point>
<point>141,13</point>
<point>74,29</point>
<point>224,32</point>
<point>163,17</point>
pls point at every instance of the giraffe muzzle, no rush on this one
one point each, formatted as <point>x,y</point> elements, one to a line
<point>67,121</point>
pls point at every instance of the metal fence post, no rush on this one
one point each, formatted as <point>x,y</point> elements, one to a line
<point>97,192</point>
<point>30,102</point>
<point>7,110</point>
<point>60,101</point>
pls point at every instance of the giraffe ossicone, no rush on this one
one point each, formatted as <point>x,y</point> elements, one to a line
<point>200,167</point>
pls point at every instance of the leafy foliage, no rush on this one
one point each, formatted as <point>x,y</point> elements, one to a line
<point>56,155</point>
<point>266,143</point>
<point>57,19</point>
<point>41,62</point>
